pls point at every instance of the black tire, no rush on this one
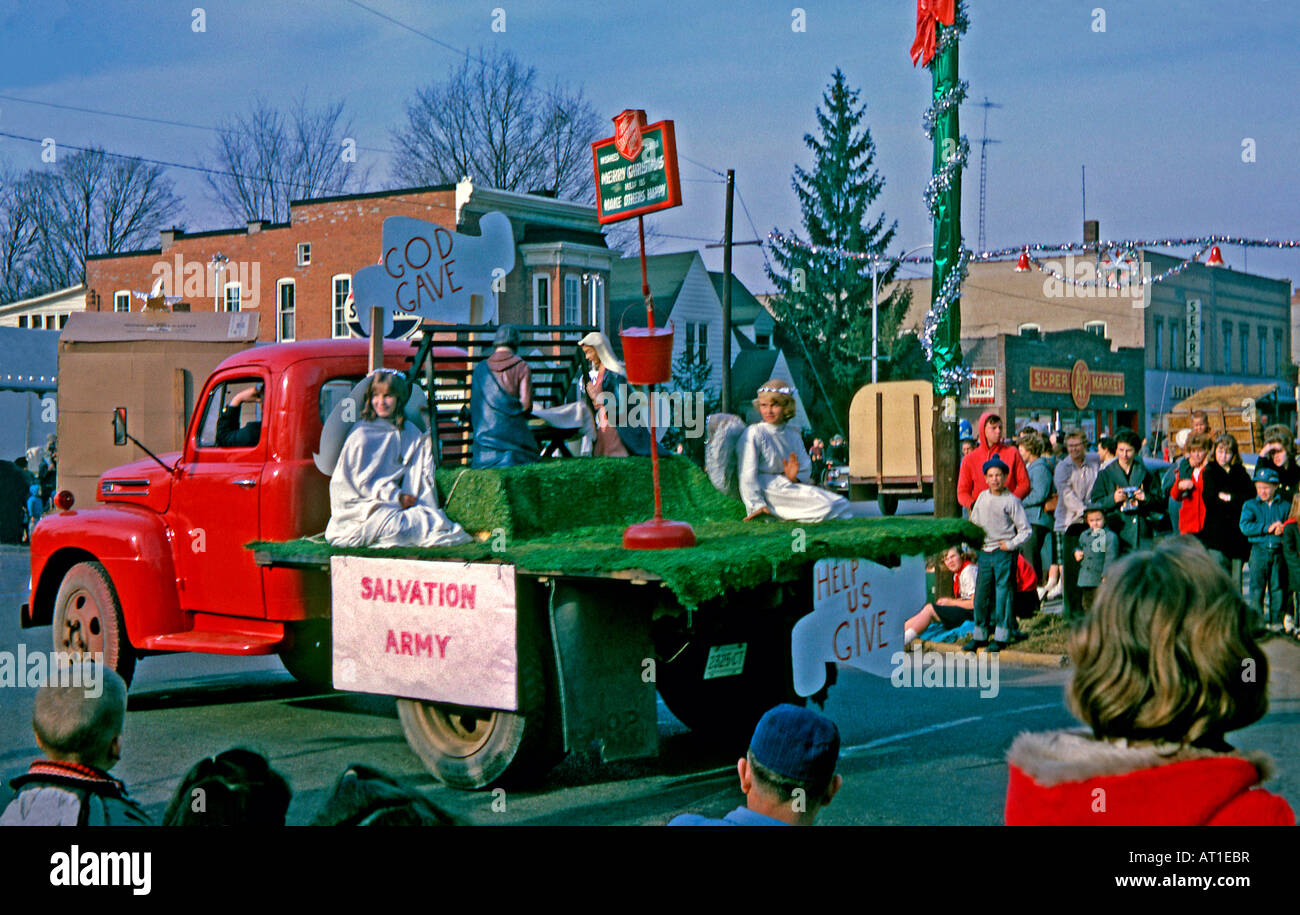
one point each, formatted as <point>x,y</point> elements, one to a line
<point>471,748</point>
<point>88,618</point>
<point>888,504</point>
<point>309,657</point>
<point>725,710</point>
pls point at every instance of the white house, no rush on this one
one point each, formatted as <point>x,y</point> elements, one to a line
<point>44,312</point>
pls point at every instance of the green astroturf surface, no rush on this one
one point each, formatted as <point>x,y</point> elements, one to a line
<point>567,517</point>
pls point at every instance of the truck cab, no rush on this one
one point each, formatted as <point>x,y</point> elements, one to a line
<point>160,564</point>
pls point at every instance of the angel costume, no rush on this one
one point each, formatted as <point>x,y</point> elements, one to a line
<point>761,455</point>
<point>377,464</point>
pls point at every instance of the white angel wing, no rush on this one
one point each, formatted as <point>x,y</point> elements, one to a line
<point>720,452</point>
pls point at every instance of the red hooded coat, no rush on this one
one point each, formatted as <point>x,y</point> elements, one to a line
<point>970,478</point>
<point>1066,778</point>
<point>1191,516</point>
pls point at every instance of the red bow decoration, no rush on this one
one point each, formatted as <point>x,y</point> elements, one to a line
<point>929,13</point>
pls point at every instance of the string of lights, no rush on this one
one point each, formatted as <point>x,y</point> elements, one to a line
<point>1004,253</point>
<point>1118,260</point>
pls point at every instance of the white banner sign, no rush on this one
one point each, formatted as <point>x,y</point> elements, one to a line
<point>441,631</point>
<point>859,608</point>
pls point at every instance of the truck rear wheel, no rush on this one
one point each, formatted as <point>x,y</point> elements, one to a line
<point>467,747</point>
<point>726,709</point>
<point>888,504</point>
<point>88,618</point>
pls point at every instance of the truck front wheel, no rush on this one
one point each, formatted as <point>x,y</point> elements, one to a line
<point>88,618</point>
<point>468,747</point>
<point>308,658</point>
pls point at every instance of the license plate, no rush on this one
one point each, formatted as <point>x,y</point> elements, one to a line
<point>725,661</point>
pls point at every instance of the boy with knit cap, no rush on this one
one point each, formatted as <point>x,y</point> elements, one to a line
<point>788,775</point>
<point>999,512</point>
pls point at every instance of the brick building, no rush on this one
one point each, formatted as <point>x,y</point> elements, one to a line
<point>299,274</point>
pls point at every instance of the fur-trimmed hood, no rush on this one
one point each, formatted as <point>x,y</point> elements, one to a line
<point>1053,757</point>
<point>1070,778</point>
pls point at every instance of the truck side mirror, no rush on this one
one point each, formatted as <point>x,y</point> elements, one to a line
<point>119,426</point>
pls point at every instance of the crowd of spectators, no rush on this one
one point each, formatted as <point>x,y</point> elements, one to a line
<point>1247,521</point>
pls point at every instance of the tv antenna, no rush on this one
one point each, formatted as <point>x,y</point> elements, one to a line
<point>984,164</point>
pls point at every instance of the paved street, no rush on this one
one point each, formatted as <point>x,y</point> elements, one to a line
<point>912,756</point>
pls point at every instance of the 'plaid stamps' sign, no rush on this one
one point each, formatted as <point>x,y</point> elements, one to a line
<point>983,386</point>
<point>441,631</point>
<point>636,169</point>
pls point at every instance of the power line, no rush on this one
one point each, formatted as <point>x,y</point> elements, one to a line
<point>212,171</point>
<point>148,120</point>
<point>413,29</point>
<point>750,219</point>
<point>722,175</point>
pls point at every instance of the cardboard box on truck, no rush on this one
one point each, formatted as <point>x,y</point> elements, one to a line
<point>152,363</point>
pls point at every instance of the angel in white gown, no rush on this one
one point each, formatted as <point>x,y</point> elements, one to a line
<point>773,467</point>
<point>382,492</point>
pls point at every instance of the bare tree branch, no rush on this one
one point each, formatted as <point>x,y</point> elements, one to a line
<point>17,238</point>
<point>267,159</point>
<point>92,203</point>
<point>490,122</point>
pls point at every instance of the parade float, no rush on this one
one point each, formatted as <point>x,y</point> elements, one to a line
<point>550,632</point>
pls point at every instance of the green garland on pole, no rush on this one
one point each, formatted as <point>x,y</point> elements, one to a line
<point>941,332</point>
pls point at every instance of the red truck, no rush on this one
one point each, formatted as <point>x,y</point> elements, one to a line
<point>162,564</point>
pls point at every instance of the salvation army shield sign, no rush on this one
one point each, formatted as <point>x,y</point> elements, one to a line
<point>627,133</point>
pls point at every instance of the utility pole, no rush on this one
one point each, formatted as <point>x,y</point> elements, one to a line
<point>726,295</point>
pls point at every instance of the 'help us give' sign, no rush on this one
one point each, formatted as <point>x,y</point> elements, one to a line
<point>859,608</point>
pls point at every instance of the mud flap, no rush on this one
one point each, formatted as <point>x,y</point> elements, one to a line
<point>604,658</point>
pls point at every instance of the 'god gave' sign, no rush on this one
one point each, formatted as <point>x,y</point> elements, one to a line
<point>859,608</point>
<point>429,271</point>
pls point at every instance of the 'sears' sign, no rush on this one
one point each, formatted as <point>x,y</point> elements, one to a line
<point>859,609</point>
<point>431,272</point>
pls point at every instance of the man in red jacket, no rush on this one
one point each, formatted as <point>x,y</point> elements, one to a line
<point>970,478</point>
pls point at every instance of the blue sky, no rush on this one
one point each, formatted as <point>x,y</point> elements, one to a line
<point>1157,106</point>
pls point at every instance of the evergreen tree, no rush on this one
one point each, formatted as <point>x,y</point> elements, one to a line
<point>823,296</point>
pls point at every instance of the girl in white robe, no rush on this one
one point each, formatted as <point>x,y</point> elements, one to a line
<point>382,492</point>
<point>773,467</point>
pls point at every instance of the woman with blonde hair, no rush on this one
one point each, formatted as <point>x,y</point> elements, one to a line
<point>1165,668</point>
<point>773,467</point>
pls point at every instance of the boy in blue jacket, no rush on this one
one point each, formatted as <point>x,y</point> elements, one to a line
<point>1262,519</point>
